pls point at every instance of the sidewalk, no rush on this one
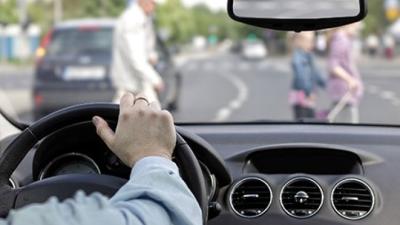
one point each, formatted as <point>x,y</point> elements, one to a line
<point>6,68</point>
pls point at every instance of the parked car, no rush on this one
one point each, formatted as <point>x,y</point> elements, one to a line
<point>254,50</point>
<point>73,66</point>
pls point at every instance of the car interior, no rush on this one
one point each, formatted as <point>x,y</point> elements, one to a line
<point>248,173</point>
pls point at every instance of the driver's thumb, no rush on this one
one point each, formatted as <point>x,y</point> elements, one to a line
<point>103,130</point>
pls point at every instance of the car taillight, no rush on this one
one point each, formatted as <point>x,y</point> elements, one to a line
<point>40,53</point>
<point>42,50</point>
<point>38,99</point>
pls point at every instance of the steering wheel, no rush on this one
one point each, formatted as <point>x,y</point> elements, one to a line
<point>65,186</point>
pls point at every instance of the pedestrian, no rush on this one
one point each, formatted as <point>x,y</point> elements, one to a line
<point>321,44</point>
<point>390,44</point>
<point>345,83</point>
<point>134,52</point>
<point>372,42</point>
<point>306,77</point>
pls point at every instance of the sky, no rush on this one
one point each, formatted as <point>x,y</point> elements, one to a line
<point>213,4</point>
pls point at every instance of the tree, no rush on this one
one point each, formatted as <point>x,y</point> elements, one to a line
<point>184,23</point>
<point>72,9</point>
<point>38,13</point>
<point>8,12</point>
<point>375,22</point>
<point>93,8</point>
<point>177,20</point>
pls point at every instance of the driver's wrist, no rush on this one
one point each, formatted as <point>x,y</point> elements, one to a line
<point>162,155</point>
<point>154,162</point>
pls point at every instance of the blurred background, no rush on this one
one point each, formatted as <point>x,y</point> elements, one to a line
<point>223,70</point>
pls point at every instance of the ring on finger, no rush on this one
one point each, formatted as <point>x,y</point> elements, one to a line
<point>143,99</point>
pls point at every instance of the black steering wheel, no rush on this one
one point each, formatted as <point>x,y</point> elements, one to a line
<point>65,186</point>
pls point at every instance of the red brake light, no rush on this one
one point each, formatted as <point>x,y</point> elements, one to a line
<point>38,99</point>
<point>42,50</point>
<point>47,39</point>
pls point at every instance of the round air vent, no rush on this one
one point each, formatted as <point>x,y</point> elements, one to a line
<point>301,197</point>
<point>250,197</point>
<point>353,199</point>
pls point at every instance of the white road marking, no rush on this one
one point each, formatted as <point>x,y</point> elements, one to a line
<point>388,95</point>
<point>235,104</point>
<point>396,103</point>
<point>224,113</point>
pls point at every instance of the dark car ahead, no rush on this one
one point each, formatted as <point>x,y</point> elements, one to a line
<point>73,67</point>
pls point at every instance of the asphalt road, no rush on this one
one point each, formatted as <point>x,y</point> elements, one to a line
<point>227,88</point>
<point>224,87</point>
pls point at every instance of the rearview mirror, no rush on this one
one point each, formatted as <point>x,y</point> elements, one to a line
<point>297,15</point>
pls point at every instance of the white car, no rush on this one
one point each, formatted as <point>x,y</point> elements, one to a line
<point>254,50</point>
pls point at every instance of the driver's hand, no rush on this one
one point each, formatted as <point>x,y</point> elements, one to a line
<point>143,130</point>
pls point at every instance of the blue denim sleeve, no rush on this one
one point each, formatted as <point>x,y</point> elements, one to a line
<point>301,73</point>
<point>155,194</point>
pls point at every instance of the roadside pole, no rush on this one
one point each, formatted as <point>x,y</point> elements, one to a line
<point>22,12</point>
<point>58,11</point>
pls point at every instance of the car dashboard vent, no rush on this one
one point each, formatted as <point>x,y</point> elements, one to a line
<point>250,197</point>
<point>301,197</point>
<point>353,199</point>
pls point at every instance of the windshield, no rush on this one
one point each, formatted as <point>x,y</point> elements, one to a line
<point>76,41</point>
<point>196,62</point>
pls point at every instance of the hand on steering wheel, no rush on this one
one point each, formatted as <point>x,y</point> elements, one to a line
<point>66,186</point>
<point>131,142</point>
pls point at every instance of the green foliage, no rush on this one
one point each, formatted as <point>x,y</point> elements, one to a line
<point>92,8</point>
<point>375,22</point>
<point>184,23</point>
<point>38,13</point>
<point>173,17</point>
<point>73,9</point>
<point>8,11</point>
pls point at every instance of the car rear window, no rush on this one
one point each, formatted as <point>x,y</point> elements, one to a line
<point>76,41</point>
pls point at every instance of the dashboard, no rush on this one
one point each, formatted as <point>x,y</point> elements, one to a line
<point>260,173</point>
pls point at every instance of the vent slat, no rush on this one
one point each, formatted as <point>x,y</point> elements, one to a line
<point>342,206</point>
<point>339,195</point>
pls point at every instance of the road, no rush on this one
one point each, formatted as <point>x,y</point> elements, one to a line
<point>223,87</point>
<point>231,89</point>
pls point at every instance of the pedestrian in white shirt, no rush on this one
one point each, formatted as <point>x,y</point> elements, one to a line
<point>134,53</point>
